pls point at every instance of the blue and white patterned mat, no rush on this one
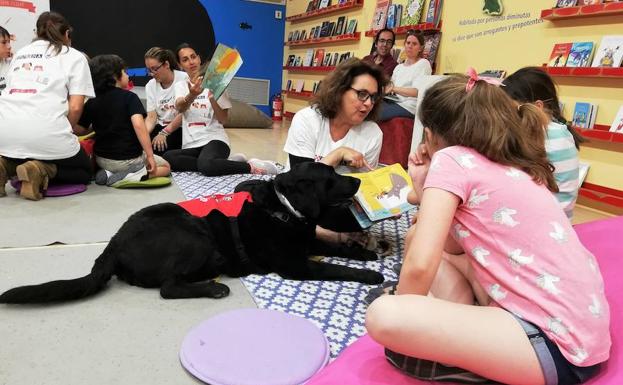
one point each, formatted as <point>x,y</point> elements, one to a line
<point>336,307</point>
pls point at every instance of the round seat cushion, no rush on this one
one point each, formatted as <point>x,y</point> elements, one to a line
<point>55,190</point>
<point>254,346</point>
<point>148,183</point>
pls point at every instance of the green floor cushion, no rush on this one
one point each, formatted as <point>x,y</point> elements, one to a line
<point>149,183</point>
<point>243,115</point>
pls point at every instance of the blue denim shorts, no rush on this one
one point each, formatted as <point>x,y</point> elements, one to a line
<point>556,369</point>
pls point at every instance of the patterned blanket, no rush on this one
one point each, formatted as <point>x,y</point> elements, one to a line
<point>335,307</point>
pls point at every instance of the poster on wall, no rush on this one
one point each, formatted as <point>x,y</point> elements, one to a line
<point>19,18</point>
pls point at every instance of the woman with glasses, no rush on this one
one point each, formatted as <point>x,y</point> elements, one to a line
<point>403,92</point>
<point>46,85</point>
<point>163,121</point>
<point>205,144</point>
<point>382,55</point>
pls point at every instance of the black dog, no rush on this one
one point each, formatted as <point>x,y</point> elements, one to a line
<point>164,246</point>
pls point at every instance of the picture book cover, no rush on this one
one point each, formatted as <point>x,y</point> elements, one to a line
<point>559,55</point>
<point>352,26</point>
<point>566,3</point>
<point>431,46</point>
<point>380,15</point>
<point>581,54</point>
<point>610,52</point>
<point>434,7</point>
<point>309,57</point>
<point>581,115</point>
<point>339,27</point>
<point>391,16</point>
<point>588,2</point>
<point>383,192</point>
<point>324,4</point>
<point>318,57</point>
<point>617,123</point>
<point>497,74</point>
<point>223,66</point>
<point>412,12</point>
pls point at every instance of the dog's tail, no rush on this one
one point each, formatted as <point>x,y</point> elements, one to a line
<point>66,290</point>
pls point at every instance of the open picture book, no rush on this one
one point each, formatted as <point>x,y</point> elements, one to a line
<point>382,194</point>
<point>221,70</point>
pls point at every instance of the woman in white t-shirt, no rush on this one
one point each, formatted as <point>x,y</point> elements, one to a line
<point>205,144</point>
<point>5,56</point>
<point>402,99</point>
<point>160,93</point>
<point>39,108</point>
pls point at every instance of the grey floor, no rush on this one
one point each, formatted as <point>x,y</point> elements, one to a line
<point>124,335</point>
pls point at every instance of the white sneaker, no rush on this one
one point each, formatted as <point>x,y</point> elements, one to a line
<point>238,157</point>
<point>131,175</point>
<point>263,167</point>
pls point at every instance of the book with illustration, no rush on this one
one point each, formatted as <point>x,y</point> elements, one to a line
<point>584,115</point>
<point>382,194</point>
<point>581,54</point>
<point>610,52</point>
<point>223,66</point>
<point>617,123</point>
<point>380,15</point>
<point>412,12</point>
<point>559,55</point>
<point>566,3</point>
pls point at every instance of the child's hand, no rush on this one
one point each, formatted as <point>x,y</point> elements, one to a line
<point>150,164</point>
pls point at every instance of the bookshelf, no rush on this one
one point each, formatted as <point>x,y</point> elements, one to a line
<point>600,137</point>
<point>604,9</point>
<point>325,40</point>
<point>424,27</point>
<point>347,6</point>
<point>301,95</point>
<point>585,72</point>
<point>309,69</point>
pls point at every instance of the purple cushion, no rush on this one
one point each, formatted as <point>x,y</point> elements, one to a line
<point>55,190</point>
<point>254,346</point>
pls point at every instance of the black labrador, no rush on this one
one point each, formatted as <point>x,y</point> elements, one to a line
<point>164,246</point>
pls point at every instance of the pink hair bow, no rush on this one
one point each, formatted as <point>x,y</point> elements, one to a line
<point>473,78</point>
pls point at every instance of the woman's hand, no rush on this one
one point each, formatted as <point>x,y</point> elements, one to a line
<point>354,158</point>
<point>195,88</point>
<point>159,143</point>
<point>389,88</point>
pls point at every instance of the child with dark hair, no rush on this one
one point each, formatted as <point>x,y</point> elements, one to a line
<point>5,56</point>
<point>122,147</point>
<point>532,85</point>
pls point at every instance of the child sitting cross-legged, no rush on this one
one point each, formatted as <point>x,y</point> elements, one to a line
<point>123,148</point>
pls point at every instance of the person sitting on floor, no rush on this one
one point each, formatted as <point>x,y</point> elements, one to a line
<point>382,55</point>
<point>5,56</point>
<point>205,144</point>
<point>40,106</point>
<point>122,146</point>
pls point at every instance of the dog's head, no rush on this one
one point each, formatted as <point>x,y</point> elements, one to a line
<point>313,187</point>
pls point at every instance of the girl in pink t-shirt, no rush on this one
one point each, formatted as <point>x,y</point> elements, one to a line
<point>490,231</point>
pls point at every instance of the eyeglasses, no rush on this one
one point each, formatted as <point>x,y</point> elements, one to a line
<point>364,95</point>
<point>152,71</point>
<point>385,41</point>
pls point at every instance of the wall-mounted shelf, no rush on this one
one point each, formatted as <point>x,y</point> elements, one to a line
<point>324,40</point>
<point>300,95</point>
<point>424,27</point>
<point>352,4</point>
<point>605,9</point>
<point>600,137</point>
<point>288,115</point>
<point>592,72</point>
<point>310,69</point>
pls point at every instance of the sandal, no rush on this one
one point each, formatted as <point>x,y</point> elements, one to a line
<point>378,291</point>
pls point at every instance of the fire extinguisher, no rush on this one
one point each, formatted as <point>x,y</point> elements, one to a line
<point>277,107</point>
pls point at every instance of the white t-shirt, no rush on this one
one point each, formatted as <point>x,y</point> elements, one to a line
<point>162,100</point>
<point>34,105</point>
<point>199,125</point>
<point>309,137</point>
<point>4,69</point>
<point>406,76</point>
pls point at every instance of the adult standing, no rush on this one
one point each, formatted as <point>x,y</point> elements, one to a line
<point>160,93</point>
<point>382,55</point>
<point>39,108</point>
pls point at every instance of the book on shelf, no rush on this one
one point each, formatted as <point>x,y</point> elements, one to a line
<point>298,61</point>
<point>391,16</point>
<point>581,54</point>
<point>310,6</point>
<point>610,52</point>
<point>584,115</point>
<point>496,74</point>
<point>300,84</point>
<point>324,4</point>
<point>566,3</point>
<point>431,46</point>
<point>312,32</point>
<point>303,35</point>
<point>412,13</point>
<point>339,25</point>
<point>340,2</point>
<point>352,26</point>
<point>288,85</point>
<point>382,194</point>
<point>317,32</point>
<point>327,59</point>
<point>332,28</point>
<point>433,13</point>
<point>290,35</point>
<point>309,58</point>
<point>290,61</point>
<point>223,66</point>
<point>582,172</point>
<point>380,15</point>
<point>398,21</point>
<point>318,57</point>
<point>324,29</point>
<point>588,2</point>
<point>617,123</point>
<point>334,59</point>
<point>559,55</point>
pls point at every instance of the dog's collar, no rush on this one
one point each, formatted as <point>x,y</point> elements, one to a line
<point>284,201</point>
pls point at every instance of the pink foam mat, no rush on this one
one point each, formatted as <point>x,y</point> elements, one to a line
<point>364,363</point>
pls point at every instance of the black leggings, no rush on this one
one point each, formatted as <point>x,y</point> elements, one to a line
<point>174,140</point>
<point>210,160</point>
<point>74,170</point>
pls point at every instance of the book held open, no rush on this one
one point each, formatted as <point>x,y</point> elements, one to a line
<point>221,70</point>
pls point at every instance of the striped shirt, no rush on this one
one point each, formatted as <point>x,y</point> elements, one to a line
<point>563,155</point>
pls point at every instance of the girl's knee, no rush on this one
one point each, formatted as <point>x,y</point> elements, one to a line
<point>383,318</point>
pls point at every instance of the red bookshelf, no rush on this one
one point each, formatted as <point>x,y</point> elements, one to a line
<point>288,115</point>
<point>600,137</point>
<point>605,9</point>
<point>309,69</point>
<point>352,4</point>
<point>424,27</point>
<point>592,72</point>
<point>301,95</point>
<point>324,40</point>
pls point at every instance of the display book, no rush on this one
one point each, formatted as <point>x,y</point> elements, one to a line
<point>584,115</point>
<point>223,66</point>
<point>580,54</point>
<point>387,15</point>
<point>573,3</point>
<point>617,123</point>
<point>610,52</point>
<point>381,195</point>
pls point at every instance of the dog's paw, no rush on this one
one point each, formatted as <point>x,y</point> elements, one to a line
<point>371,277</point>
<point>218,290</point>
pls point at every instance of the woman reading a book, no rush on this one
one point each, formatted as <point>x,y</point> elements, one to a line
<point>495,284</point>
<point>401,99</point>
<point>205,144</point>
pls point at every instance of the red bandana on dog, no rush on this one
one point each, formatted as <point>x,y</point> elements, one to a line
<point>228,204</point>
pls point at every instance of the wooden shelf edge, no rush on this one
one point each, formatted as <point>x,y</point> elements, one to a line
<point>301,95</point>
<point>309,69</point>
<point>330,39</point>
<point>604,9</point>
<point>352,4</point>
<point>585,72</point>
